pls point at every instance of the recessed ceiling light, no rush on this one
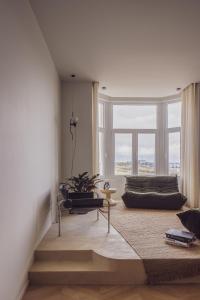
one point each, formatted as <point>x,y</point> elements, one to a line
<point>178,89</point>
<point>72,75</point>
<point>104,87</point>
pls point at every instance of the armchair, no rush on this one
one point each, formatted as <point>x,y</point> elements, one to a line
<point>78,206</point>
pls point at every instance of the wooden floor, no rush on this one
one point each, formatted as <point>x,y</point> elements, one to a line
<point>167,292</point>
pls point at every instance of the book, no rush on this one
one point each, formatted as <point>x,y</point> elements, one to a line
<point>178,243</point>
<point>180,235</point>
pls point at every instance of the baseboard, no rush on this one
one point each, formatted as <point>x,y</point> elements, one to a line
<point>23,290</point>
<point>25,281</point>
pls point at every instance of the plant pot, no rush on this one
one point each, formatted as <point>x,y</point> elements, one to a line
<point>77,196</point>
<point>81,195</point>
<point>87,202</point>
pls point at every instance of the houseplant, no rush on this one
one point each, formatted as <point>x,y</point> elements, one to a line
<point>82,186</point>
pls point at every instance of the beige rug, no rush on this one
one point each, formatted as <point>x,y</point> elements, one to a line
<point>144,231</point>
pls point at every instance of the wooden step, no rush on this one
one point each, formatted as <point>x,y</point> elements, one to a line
<point>68,272</point>
<point>62,267</point>
<point>74,255</point>
<point>72,278</point>
<point>68,265</point>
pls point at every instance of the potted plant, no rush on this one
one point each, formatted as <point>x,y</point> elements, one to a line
<point>82,186</point>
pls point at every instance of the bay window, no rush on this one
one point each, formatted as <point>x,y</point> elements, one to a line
<point>139,138</point>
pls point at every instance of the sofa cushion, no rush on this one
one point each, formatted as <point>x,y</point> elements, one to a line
<point>153,200</point>
<point>160,184</point>
<point>191,220</point>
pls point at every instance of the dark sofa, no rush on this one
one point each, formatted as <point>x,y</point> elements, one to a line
<point>155,192</point>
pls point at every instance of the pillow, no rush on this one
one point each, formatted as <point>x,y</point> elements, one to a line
<point>153,200</point>
<point>191,220</point>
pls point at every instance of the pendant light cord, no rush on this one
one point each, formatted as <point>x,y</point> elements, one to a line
<point>74,143</point>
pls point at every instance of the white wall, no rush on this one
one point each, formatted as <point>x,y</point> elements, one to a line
<point>80,94</point>
<point>29,124</point>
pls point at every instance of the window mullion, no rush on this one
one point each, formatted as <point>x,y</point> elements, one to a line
<point>135,152</point>
<point>109,142</point>
<point>174,129</point>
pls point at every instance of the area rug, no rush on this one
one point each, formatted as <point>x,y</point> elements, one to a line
<point>144,230</point>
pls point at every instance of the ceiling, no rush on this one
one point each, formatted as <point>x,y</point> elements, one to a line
<point>136,48</point>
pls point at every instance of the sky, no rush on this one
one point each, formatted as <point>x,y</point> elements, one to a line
<point>133,116</point>
<point>146,151</point>
<point>123,147</point>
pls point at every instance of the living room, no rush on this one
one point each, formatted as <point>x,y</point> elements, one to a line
<point>99,130</point>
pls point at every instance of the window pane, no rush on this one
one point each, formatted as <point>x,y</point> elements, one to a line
<point>101,115</point>
<point>123,154</point>
<point>101,153</point>
<point>134,116</point>
<point>174,153</point>
<point>174,115</point>
<point>146,154</point>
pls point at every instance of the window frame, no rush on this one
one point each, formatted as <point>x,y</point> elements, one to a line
<point>135,133</point>
<point>101,130</point>
<point>161,135</point>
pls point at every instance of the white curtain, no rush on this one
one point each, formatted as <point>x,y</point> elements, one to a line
<point>95,140</point>
<point>190,144</point>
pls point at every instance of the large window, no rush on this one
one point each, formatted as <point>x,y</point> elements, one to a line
<point>174,153</point>
<point>146,154</point>
<point>139,139</point>
<point>134,130</point>
<point>174,125</point>
<point>123,154</point>
<point>174,114</point>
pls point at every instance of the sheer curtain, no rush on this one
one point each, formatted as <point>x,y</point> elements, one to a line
<point>190,144</point>
<point>95,159</point>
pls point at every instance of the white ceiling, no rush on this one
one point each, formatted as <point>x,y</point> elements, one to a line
<point>136,48</point>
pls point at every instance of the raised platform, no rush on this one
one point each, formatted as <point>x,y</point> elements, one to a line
<point>86,254</point>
